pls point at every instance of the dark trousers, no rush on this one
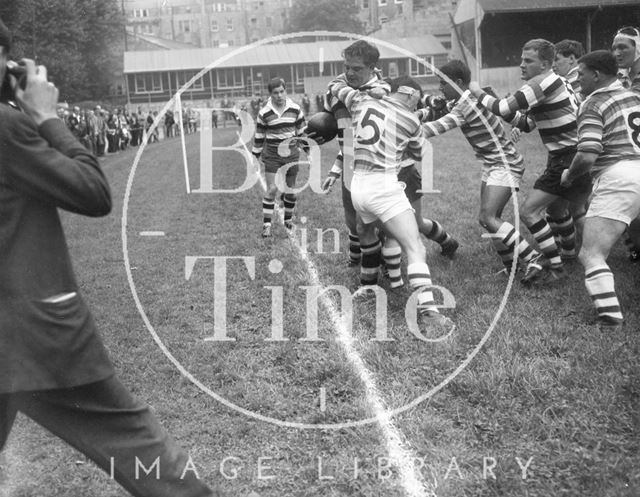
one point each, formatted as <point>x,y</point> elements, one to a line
<point>106,423</point>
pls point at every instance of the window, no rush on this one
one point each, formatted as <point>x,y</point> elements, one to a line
<point>140,12</point>
<point>382,3</point>
<point>269,21</point>
<point>184,26</point>
<point>148,83</point>
<point>214,25</point>
<point>254,21</point>
<point>215,43</point>
<point>147,29</point>
<point>365,4</point>
<point>399,1</point>
<point>229,78</point>
<point>421,69</point>
<point>230,43</point>
<point>383,19</point>
<point>183,77</point>
<point>230,24</point>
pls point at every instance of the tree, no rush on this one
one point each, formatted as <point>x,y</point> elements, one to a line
<point>75,39</point>
<point>328,15</point>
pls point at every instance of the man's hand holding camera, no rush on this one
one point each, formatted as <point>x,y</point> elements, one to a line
<point>39,97</point>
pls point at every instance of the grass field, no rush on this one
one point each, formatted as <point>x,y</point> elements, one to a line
<point>546,391</point>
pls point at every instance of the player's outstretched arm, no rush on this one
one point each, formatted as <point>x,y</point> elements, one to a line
<point>524,98</point>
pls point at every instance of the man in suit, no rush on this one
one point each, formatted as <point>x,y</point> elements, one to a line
<point>53,365</point>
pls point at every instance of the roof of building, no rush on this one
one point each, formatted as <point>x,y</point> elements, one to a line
<point>162,43</point>
<point>269,55</point>
<point>466,8</point>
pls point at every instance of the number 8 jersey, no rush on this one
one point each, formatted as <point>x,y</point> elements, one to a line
<point>609,125</point>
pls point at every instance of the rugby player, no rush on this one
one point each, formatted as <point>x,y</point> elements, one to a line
<point>626,49</point>
<point>360,60</point>
<point>280,119</point>
<point>387,133</point>
<point>608,148</point>
<point>502,164</point>
<point>551,107</point>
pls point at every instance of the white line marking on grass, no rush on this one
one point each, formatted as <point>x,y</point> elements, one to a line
<point>187,374</point>
<point>152,233</point>
<point>397,446</point>
<point>323,399</point>
<point>183,141</point>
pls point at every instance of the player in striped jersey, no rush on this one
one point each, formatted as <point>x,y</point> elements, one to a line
<point>386,135</point>
<point>279,120</point>
<point>360,59</point>
<point>551,107</point>
<point>565,64</point>
<point>502,164</point>
<point>609,148</point>
<point>626,49</point>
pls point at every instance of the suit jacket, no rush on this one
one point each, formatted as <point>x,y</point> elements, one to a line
<point>44,345</point>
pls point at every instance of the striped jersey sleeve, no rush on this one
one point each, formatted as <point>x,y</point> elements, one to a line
<point>549,102</point>
<point>609,126</point>
<point>273,127</point>
<point>482,129</point>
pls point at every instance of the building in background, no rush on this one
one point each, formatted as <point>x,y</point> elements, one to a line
<point>229,23</point>
<point>154,77</point>
<point>489,34</point>
<point>204,23</point>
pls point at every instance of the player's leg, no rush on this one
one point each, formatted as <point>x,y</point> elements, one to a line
<point>392,256</point>
<point>268,201</point>
<point>615,203</point>
<point>350,219</point>
<point>289,199</point>
<point>533,216</point>
<point>599,236</point>
<point>562,225</point>
<point>370,248</point>
<point>119,434</point>
<point>434,231</point>
<point>493,199</point>
<point>430,228</point>
<point>404,229</point>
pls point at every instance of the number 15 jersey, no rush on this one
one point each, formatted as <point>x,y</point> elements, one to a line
<point>386,134</point>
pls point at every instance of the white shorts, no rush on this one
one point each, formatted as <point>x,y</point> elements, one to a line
<point>501,176</point>
<point>616,192</point>
<point>378,195</point>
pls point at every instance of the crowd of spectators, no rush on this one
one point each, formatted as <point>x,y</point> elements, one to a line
<point>108,131</point>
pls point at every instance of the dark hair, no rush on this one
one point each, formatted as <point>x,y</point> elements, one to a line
<point>546,50</point>
<point>629,31</point>
<point>404,80</point>
<point>570,47</point>
<point>369,53</point>
<point>456,69</point>
<point>275,83</point>
<point>600,60</point>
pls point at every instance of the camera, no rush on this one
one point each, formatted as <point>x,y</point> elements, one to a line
<point>19,71</point>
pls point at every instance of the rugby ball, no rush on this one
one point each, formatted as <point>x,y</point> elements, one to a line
<point>323,124</point>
